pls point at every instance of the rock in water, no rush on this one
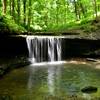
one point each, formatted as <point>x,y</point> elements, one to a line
<point>89,89</point>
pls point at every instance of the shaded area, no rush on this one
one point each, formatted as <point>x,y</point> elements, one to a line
<point>80,48</point>
<point>7,65</point>
<point>11,46</point>
<point>71,47</point>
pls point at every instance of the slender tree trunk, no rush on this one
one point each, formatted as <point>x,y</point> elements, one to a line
<point>24,8</point>
<point>0,5</point>
<point>76,12</point>
<point>13,8</point>
<point>98,7</point>
<point>65,17</point>
<point>4,7</point>
<point>46,19</point>
<point>57,16</point>
<point>29,14</point>
<point>18,5</point>
<point>10,4</point>
<point>95,7</point>
<point>83,9</point>
<point>46,14</point>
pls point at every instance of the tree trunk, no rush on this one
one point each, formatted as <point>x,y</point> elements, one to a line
<point>4,7</point>
<point>83,9</point>
<point>1,5</point>
<point>18,5</point>
<point>24,8</point>
<point>12,8</point>
<point>57,14</point>
<point>95,7</point>
<point>29,14</point>
<point>65,18</point>
<point>76,12</point>
<point>10,4</point>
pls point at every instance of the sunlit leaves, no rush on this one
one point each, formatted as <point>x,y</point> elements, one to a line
<point>50,13</point>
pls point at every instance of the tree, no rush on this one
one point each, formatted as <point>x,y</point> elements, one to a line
<point>4,6</point>
<point>95,7</point>
<point>10,5</point>
<point>18,10</point>
<point>49,13</point>
<point>29,13</point>
<point>13,8</point>
<point>24,11</point>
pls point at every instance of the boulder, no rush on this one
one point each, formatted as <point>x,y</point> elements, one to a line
<point>89,89</point>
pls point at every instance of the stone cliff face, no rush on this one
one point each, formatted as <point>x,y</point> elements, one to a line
<point>13,46</point>
<point>71,47</point>
<point>81,48</point>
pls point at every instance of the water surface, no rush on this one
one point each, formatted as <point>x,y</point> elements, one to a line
<point>51,82</point>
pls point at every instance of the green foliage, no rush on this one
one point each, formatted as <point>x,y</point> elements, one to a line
<point>49,15</point>
<point>8,24</point>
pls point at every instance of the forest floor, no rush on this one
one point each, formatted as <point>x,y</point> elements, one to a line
<point>87,29</point>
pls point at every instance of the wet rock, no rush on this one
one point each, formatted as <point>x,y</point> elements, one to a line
<point>13,64</point>
<point>1,71</point>
<point>89,89</point>
<point>92,59</point>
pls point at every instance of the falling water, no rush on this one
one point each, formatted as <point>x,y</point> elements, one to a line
<point>44,49</point>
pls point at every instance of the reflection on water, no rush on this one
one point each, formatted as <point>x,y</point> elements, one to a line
<point>54,76</point>
<point>51,79</point>
<point>53,82</point>
<point>87,96</point>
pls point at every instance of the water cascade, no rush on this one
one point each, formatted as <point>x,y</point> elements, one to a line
<point>44,49</point>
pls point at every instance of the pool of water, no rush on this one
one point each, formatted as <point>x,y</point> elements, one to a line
<point>50,82</point>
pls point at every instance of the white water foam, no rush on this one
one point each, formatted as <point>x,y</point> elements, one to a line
<point>44,49</point>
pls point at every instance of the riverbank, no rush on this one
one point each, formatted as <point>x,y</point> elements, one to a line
<point>8,64</point>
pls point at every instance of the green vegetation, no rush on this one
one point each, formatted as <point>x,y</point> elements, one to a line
<point>18,16</point>
<point>7,24</point>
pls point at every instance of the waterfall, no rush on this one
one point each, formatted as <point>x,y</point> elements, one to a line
<point>44,49</point>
